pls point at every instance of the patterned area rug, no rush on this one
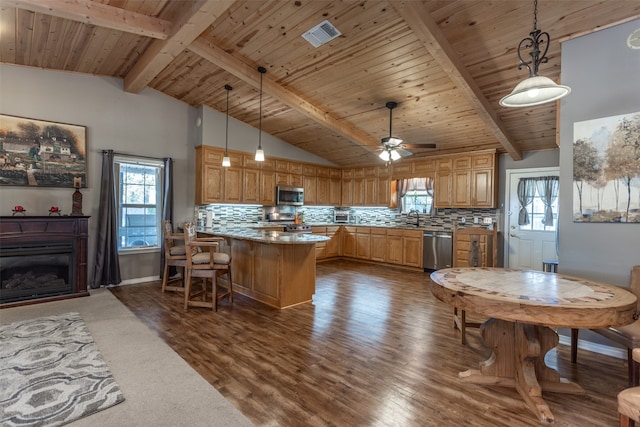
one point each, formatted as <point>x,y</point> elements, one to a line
<point>52,373</point>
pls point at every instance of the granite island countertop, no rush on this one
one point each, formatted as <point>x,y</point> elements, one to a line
<point>265,236</point>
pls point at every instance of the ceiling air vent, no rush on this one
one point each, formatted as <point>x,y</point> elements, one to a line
<point>322,33</point>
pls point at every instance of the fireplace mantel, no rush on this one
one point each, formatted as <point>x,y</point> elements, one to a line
<point>33,230</point>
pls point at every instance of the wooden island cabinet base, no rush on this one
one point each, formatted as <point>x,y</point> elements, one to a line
<point>279,275</point>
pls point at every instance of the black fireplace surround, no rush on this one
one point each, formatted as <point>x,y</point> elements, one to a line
<point>42,259</point>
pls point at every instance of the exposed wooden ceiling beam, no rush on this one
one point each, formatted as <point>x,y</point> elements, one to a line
<point>250,75</point>
<point>426,29</point>
<point>193,21</point>
<point>94,13</point>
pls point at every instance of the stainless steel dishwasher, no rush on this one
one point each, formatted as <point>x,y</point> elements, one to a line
<point>437,250</point>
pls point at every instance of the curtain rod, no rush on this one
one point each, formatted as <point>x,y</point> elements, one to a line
<point>135,155</point>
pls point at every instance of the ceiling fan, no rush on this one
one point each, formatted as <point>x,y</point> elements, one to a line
<point>392,147</point>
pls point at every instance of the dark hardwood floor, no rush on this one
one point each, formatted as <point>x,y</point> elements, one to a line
<point>375,348</point>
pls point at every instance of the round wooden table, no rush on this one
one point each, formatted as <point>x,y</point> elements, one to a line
<point>522,306</point>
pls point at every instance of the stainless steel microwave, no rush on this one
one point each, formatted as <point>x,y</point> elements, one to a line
<point>293,196</point>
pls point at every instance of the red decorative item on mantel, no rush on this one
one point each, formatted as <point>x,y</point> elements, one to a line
<point>19,210</point>
<point>54,210</point>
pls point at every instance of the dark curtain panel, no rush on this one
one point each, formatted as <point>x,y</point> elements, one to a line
<point>107,264</point>
<point>401,188</point>
<point>548,190</point>
<point>167,208</point>
<point>526,192</point>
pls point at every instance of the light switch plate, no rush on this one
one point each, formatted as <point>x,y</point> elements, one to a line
<point>486,220</point>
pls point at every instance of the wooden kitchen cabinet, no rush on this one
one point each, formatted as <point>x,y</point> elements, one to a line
<point>358,192</point>
<point>393,253</point>
<point>321,247</point>
<point>233,185</point>
<point>349,242</point>
<point>251,186</point>
<point>443,197</point>
<point>378,244</point>
<point>210,186</point>
<point>267,187</point>
<point>209,176</point>
<point>371,191</point>
<point>383,192</point>
<point>323,195</point>
<point>412,248</point>
<point>347,192</point>
<point>309,183</point>
<point>461,189</point>
<point>333,248</point>
<point>363,243</point>
<point>466,181</point>
<point>296,181</point>
<point>335,192</point>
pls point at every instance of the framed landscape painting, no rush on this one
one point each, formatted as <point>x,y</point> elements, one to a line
<point>39,153</point>
<point>606,169</point>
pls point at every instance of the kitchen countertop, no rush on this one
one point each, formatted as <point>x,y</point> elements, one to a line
<point>261,225</point>
<point>264,236</point>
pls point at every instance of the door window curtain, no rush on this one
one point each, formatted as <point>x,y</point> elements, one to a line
<point>526,192</point>
<point>167,208</point>
<point>107,265</point>
<point>548,191</point>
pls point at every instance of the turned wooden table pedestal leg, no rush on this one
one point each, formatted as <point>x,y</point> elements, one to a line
<point>518,361</point>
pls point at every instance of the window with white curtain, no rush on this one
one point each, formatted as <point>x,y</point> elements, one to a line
<point>139,199</point>
<point>418,195</point>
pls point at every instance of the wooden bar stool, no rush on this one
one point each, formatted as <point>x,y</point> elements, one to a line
<point>174,256</point>
<point>206,265</point>
<point>629,400</point>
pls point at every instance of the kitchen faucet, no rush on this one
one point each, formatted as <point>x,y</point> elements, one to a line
<point>417,224</point>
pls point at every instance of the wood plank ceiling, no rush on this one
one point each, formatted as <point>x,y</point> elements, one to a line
<point>446,63</point>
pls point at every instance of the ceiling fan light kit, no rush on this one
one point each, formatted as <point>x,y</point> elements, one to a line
<point>392,147</point>
<point>536,89</point>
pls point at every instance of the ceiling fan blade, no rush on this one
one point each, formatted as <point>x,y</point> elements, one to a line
<point>403,152</point>
<point>419,146</point>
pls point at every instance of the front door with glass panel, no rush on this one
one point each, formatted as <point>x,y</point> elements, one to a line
<point>531,233</point>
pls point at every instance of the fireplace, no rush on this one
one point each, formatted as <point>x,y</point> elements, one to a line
<point>42,259</point>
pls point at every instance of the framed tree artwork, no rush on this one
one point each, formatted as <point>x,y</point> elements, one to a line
<point>39,153</point>
<point>606,169</point>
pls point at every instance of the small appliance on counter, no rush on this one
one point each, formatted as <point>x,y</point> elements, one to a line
<point>341,216</point>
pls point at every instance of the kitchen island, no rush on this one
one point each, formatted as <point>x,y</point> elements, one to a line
<point>273,267</point>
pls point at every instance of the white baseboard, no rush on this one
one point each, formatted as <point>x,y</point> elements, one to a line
<point>616,352</point>
<point>138,280</point>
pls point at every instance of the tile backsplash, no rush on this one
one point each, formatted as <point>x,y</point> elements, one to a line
<point>242,215</point>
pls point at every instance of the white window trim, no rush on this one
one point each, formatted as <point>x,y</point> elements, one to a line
<point>119,158</point>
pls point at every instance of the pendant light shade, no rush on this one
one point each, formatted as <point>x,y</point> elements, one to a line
<point>226,161</point>
<point>536,89</point>
<point>260,152</point>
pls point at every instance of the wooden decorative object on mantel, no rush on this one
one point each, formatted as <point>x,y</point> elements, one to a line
<point>33,236</point>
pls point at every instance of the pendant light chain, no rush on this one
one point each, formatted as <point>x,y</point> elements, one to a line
<point>226,160</point>
<point>260,152</point>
